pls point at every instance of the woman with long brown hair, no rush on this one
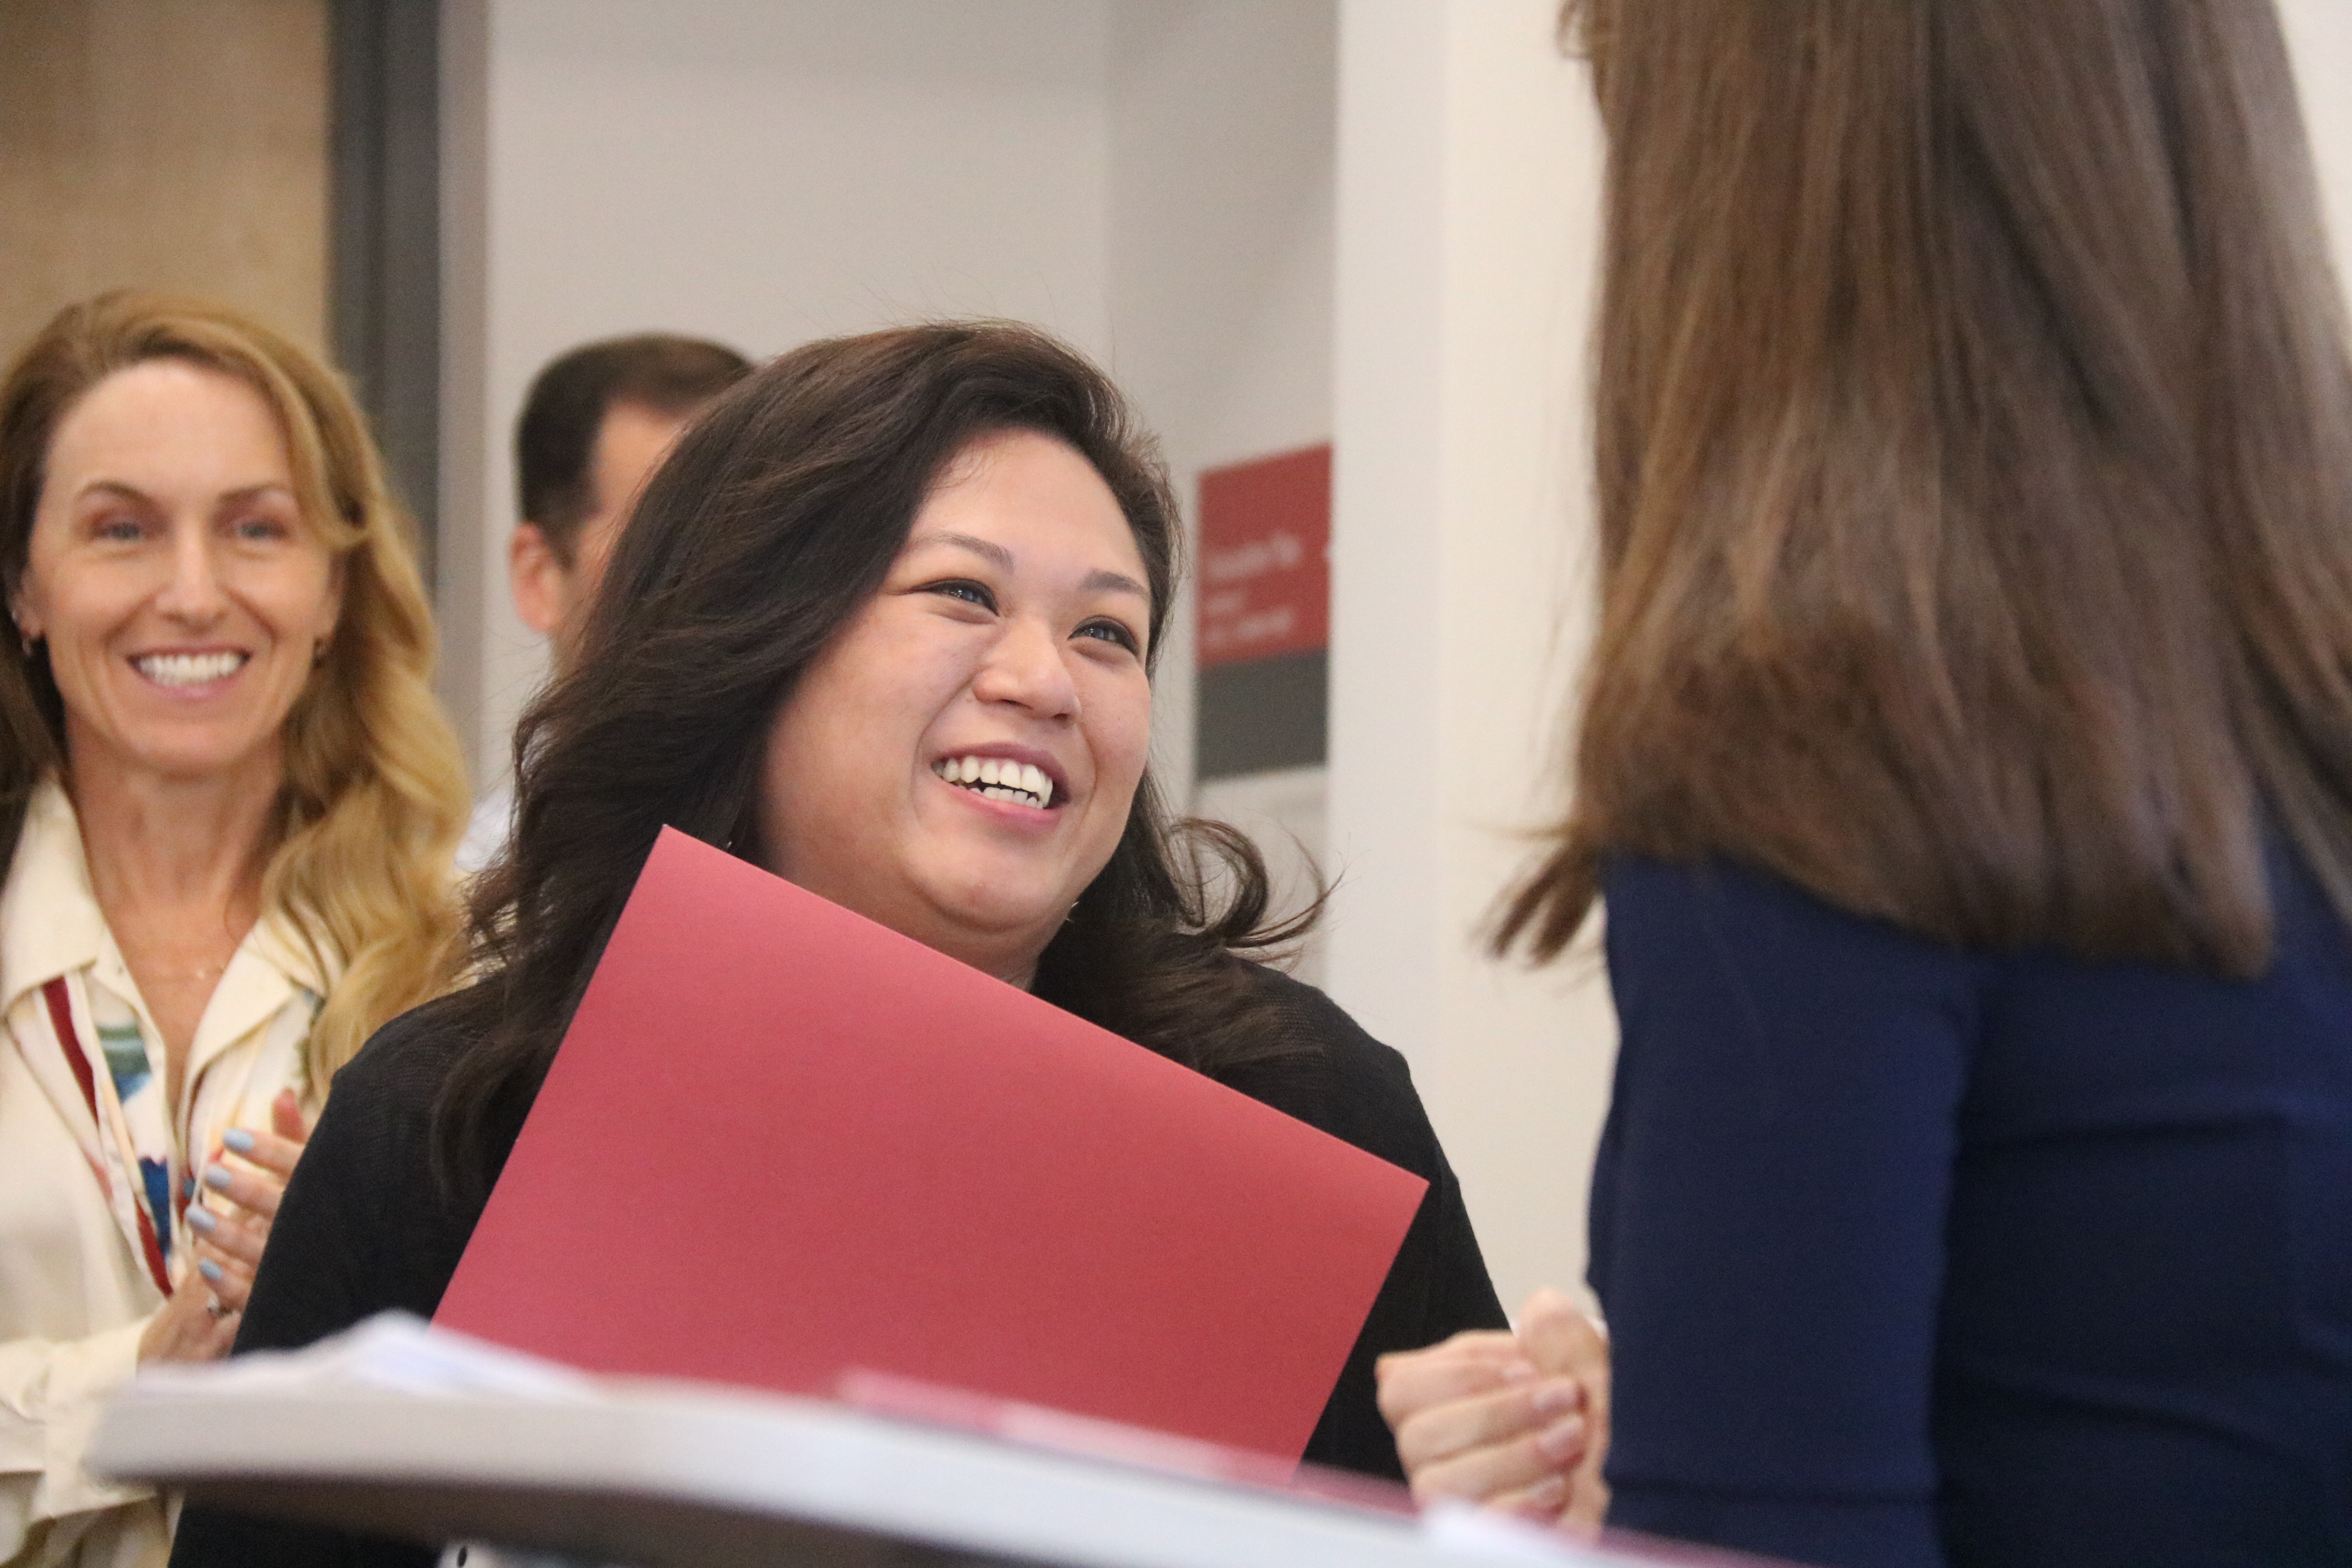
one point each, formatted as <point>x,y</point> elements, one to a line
<point>882,623</point>
<point>229,800</point>
<point>1966,764</point>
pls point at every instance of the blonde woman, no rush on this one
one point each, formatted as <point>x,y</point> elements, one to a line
<point>228,802</point>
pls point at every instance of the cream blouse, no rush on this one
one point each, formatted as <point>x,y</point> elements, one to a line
<point>81,1248</point>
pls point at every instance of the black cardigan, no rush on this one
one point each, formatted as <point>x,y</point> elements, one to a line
<point>365,1227</point>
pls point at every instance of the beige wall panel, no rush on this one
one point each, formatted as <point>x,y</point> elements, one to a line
<point>163,144</point>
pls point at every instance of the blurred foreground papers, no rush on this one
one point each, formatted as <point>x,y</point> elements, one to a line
<point>782,1142</point>
<point>396,1428</point>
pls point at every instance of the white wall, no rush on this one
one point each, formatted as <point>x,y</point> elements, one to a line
<point>1223,119</point>
<point>1468,223</point>
<point>1150,178</point>
<point>761,173</point>
<point>1220,147</point>
<point>2319,35</point>
<point>1155,179</point>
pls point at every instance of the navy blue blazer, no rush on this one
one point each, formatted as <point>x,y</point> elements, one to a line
<point>1920,1257</point>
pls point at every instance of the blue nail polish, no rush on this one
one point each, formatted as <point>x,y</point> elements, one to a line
<point>202,1220</point>
<point>238,1138</point>
<point>209,1269</point>
<point>217,1177</point>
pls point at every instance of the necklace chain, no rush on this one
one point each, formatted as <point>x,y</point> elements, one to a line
<point>202,973</point>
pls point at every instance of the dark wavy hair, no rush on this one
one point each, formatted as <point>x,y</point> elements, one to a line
<point>777,517</point>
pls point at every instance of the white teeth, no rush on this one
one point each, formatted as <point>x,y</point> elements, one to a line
<point>993,778</point>
<point>189,668</point>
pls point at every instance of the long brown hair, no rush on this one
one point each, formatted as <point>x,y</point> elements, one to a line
<point>1975,470</point>
<point>375,796</point>
<point>774,521</point>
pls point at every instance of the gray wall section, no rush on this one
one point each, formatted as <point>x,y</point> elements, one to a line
<point>384,287</point>
<point>1263,714</point>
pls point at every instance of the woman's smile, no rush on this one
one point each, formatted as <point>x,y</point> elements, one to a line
<point>200,674</point>
<point>1002,778</point>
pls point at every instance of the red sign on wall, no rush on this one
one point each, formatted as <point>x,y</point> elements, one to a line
<point>1266,558</point>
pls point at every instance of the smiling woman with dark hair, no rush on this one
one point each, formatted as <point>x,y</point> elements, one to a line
<point>884,625</point>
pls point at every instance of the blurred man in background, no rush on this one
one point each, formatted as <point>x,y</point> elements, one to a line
<point>597,422</point>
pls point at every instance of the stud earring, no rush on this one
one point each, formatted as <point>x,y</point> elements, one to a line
<point>318,653</point>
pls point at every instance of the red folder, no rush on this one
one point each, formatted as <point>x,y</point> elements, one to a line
<point>781,1142</point>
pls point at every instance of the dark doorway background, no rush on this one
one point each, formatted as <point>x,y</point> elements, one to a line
<point>384,294</point>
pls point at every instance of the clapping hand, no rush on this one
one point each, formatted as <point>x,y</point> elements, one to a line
<point>199,1322</point>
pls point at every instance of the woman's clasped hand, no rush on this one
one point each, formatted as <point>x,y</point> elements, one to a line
<point>1516,1420</point>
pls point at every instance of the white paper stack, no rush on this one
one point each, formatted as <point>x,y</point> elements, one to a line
<point>401,1429</point>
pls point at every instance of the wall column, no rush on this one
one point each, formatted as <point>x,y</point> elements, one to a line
<point>1468,220</point>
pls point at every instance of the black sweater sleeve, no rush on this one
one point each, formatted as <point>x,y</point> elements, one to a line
<point>1338,1078</point>
<point>363,1228</point>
